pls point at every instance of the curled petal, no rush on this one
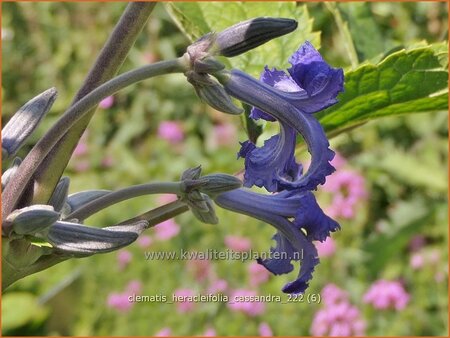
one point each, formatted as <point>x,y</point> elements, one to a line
<point>275,102</point>
<point>285,253</point>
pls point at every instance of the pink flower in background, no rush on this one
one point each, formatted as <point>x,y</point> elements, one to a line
<point>332,294</point>
<point>384,294</point>
<point>81,148</point>
<point>417,242</point>
<point>119,302</point>
<point>218,286</point>
<point>348,189</point>
<point>166,230</point>
<point>238,303</point>
<point>210,332</point>
<point>224,134</point>
<point>433,256</point>
<point>164,332</point>
<point>171,131</point>
<point>144,241</point>
<point>134,287</point>
<point>82,165</point>
<point>258,274</point>
<point>166,198</point>
<point>107,102</point>
<point>107,161</point>
<point>416,261</point>
<point>200,268</point>
<point>237,243</point>
<point>124,258</point>
<point>265,330</point>
<point>339,319</point>
<point>184,305</point>
<point>338,161</point>
<point>326,248</point>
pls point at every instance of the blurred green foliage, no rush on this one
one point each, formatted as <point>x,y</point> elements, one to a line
<point>403,160</point>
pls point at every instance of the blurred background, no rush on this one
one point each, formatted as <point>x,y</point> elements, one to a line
<point>387,266</point>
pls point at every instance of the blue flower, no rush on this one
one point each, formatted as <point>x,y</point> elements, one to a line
<point>291,99</point>
<point>298,220</point>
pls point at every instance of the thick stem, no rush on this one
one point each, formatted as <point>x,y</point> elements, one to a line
<point>26,170</point>
<point>124,194</point>
<point>106,66</point>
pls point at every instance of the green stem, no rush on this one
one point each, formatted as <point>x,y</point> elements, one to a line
<point>106,66</point>
<point>124,194</point>
<point>26,170</point>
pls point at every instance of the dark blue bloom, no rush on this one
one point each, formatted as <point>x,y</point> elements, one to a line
<point>298,220</point>
<point>291,99</point>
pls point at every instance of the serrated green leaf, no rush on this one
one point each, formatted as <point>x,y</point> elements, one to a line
<point>407,81</point>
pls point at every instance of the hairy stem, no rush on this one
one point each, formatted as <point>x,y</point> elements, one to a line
<point>106,66</point>
<point>124,194</point>
<point>26,170</point>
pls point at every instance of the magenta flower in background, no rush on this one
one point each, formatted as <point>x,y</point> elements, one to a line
<point>218,286</point>
<point>224,134</point>
<point>332,294</point>
<point>338,319</point>
<point>124,258</point>
<point>209,332</point>
<point>184,305</point>
<point>119,302</point>
<point>265,330</point>
<point>258,274</point>
<point>171,131</point>
<point>348,188</point>
<point>384,294</point>
<point>338,161</point>
<point>166,230</point>
<point>164,332</point>
<point>238,304</point>
<point>144,241</point>
<point>107,102</point>
<point>237,243</point>
<point>166,198</point>
<point>200,268</point>
<point>134,287</point>
<point>326,248</point>
<point>417,242</point>
<point>416,261</point>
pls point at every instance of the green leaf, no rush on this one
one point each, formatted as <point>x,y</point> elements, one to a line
<point>197,19</point>
<point>407,81</point>
<point>19,309</point>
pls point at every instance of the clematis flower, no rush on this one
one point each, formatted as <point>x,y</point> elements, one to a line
<point>291,241</point>
<point>312,85</point>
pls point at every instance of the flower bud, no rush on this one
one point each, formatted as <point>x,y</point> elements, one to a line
<point>252,33</point>
<point>59,195</point>
<point>9,173</point>
<point>219,183</point>
<point>207,216</point>
<point>191,173</point>
<point>208,65</point>
<point>77,200</point>
<point>32,219</point>
<point>215,96</point>
<point>25,121</point>
<point>82,240</point>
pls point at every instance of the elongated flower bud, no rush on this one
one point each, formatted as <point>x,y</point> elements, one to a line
<point>206,216</point>
<point>31,220</point>
<point>219,183</point>
<point>25,121</point>
<point>9,173</point>
<point>252,33</point>
<point>215,96</point>
<point>77,200</point>
<point>59,195</point>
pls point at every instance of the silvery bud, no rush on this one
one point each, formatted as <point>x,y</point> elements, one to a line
<point>31,220</point>
<point>219,183</point>
<point>9,173</point>
<point>82,240</point>
<point>191,173</point>
<point>206,216</point>
<point>77,200</point>
<point>252,33</point>
<point>215,96</point>
<point>208,65</point>
<point>59,196</point>
<point>25,121</point>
